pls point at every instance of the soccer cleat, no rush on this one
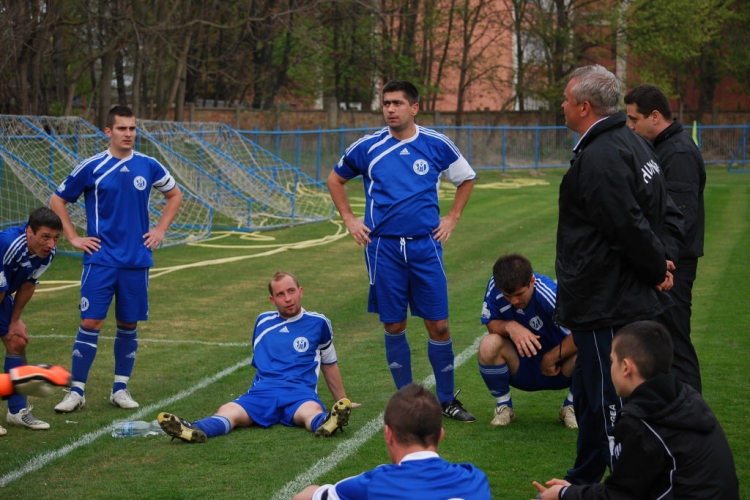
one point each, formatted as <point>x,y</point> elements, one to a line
<point>71,402</point>
<point>455,410</point>
<point>504,415</point>
<point>24,418</point>
<point>337,419</point>
<point>568,417</point>
<point>178,428</point>
<point>3,432</point>
<point>123,399</point>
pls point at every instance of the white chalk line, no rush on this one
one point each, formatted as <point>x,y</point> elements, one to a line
<point>43,459</point>
<point>146,341</point>
<point>348,447</point>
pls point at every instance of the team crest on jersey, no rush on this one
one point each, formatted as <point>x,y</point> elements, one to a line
<point>3,280</point>
<point>84,303</point>
<point>139,183</point>
<point>536,323</point>
<point>420,167</point>
<point>61,187</point>
<point>301,344</point>
<point>485,311</point>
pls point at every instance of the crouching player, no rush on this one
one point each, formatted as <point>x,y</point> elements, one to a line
<point>290,347</point>
<point>524,348</point>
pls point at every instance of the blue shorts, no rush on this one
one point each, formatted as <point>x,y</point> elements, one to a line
<point>529,377</point>
<point>406,271</point>
<point>100,283</point>
<point>274,405</point>
<point>6,312</point>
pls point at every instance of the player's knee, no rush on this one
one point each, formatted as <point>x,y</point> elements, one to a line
<point>489,349</point>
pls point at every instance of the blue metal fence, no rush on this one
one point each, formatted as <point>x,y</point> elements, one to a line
<point>485,147</point>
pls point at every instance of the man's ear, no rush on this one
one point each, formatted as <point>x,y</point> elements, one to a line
<point>388,434</point>
<point>628,367</point>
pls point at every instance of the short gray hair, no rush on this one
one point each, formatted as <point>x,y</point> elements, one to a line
<point>599,87</point>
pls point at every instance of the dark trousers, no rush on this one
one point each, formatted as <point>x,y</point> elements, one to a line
<point>677,320</point>
<point>596,404</point>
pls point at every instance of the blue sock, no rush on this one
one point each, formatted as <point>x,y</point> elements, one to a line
<point>398,355</point>
<point>318,420</point>
<point>214,425</point>
<point>126,345</point>
<point>441,359</point>
<point>84,352</point>
<point>568,399</point>
<point>16,403</point>
<point>497,380</point>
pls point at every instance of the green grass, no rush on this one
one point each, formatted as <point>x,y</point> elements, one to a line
<point>218,304</point>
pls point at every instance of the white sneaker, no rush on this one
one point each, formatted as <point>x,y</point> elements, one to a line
<point>3,432</point>
<point>72,402</point>
<point>24,418</point>
<point>123,399</point>
<point>568,417</point>
<point>504,415</point>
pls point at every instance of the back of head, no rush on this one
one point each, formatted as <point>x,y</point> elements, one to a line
<point>648,99</point>
<point>648,344</point>
<point>118,111</point>
<point>511,272</point>
<point>599,87</point>
<point>415,416</point>
<point>43,216</point>
<point>410,91</point>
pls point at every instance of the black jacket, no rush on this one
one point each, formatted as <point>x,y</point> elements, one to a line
<point>611,229</point>
<point>685,173</point>
<point>669,445</point>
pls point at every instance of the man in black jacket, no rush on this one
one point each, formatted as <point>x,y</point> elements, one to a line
<point>668,443</point>
<point>614,252</point>
<point>650,117</point>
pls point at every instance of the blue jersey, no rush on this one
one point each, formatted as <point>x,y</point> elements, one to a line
<point>288,352</point>
<point>419,475</point>
<point>537,316</point>
<point>116,193</point>
<point>401,179</point>
<point>18,266</point>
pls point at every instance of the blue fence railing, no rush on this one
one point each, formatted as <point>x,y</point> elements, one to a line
<point>485,147</point>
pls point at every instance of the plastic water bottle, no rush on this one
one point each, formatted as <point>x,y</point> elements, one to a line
<point>139,428</point>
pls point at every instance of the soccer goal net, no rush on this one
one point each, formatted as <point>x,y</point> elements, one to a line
<point>38,153</point>
<point>250,187</point>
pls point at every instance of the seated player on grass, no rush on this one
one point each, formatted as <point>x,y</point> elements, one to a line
<point>524,347</point>
<point>667,442</point>
<point>413,428</point>
<point>291,346</point>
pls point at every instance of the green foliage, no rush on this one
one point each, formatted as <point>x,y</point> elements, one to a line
<point>201,319</point>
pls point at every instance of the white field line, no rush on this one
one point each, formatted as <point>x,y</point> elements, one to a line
<point>348,447</point>
<point>43,459</point>
<point>146,341</point>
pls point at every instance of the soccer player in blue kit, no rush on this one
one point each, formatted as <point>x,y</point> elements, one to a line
<point>25,253</point>
<point>291,347</point>
<point>116,185</point>
<point>412,431</point>
<point>524,347</point>
<point>403,232</point>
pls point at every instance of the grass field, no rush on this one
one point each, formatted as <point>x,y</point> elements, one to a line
<point>194,356</point>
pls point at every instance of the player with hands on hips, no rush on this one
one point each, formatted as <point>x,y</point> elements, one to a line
<point>25,254</point>
<point>403,232</point>
<point>524,347</point>
<point>116,186</point>
<point>291,348</point>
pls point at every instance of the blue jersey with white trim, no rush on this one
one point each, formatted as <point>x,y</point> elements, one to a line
<point>289,352</point>
<point>537,316</point>
<point>401,179</point>
<point>18,266</point>
<point>116,193</point>
<point>419,475</point>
